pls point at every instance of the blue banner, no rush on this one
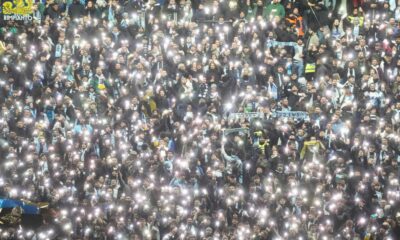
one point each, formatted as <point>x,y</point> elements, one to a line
<point>26,208</point>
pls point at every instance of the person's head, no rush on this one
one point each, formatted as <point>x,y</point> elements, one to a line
<point>398,105</point>
<point>386,6</point>
<point>372,87</point>
<point>54,6</point>
<point>300,41</point>
<point>99,71</point>
<point>336,22</point>
<point>285,102</point>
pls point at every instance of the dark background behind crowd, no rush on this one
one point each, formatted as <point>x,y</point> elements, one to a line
<point>118,115</point>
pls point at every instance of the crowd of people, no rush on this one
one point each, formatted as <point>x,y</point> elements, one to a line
<point>235,119</point>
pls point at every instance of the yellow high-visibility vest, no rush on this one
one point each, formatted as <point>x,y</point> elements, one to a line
<point>262,147</point>
<point>310,68</point>
<point>360,20</point>
<point>2,47</point>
